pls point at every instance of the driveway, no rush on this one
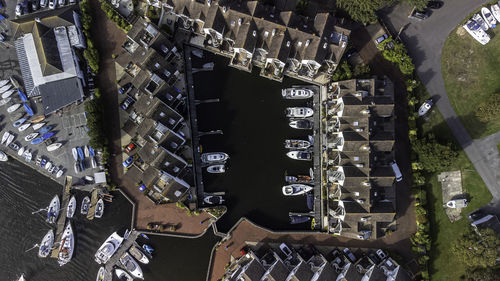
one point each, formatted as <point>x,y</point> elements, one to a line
<point>425,40</point>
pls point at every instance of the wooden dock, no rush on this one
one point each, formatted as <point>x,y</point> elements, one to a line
<point>115,259</point>
<point>62,214</point>
<point>93,201</point>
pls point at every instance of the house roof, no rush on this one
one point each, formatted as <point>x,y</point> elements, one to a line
<point>60,93</point>
<point>278,271</point>
<point>49,18</point>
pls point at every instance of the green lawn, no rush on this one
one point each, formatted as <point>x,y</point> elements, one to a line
<point>471,74</point>
<point>443,265</point>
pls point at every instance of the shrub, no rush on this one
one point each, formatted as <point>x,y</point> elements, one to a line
<point>343,72</point>
<point>395,51</point>
<point>489,109</point>
<point>434,156</point>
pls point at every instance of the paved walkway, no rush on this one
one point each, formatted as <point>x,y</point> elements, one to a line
<point>425,40</point>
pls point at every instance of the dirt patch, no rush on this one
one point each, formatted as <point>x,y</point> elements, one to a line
<point>461,31</point>
<point>451,184</point>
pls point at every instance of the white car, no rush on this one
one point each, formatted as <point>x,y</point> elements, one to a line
<point>52,4</point>
<point>284,248</point>
<point>19,10</point>
<point>43,3</point>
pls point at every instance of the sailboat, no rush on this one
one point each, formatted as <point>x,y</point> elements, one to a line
<point>53,210</point>
<point>46,245</point>
<point>67,245</point>
<point>70,212</point>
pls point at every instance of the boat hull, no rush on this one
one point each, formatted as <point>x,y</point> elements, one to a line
<point>67,245</point>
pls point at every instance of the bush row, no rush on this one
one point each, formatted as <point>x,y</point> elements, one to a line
<point>396,52</point>
<point>114,16</point>
<point>90,54</point>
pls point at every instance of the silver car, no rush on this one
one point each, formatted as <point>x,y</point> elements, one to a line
<point>52,4</point>
<point>19,10</point>
<point>43,3</point>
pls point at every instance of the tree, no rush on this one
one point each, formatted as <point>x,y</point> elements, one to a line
<point>489,109</point>
<point>477,250</point>
<point>343,72</point>
<point>361,10</point>
<point>418,4</point>
<point>434,156</point>
<point>482,274</point>
<point>361,71</point>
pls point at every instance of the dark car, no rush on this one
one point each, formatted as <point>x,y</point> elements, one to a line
<point>124,88</point>
<point>381,39</point>
<point>476,215</point>
<point>420,15</point>
<point>127,103</point>
<point>435,4</point>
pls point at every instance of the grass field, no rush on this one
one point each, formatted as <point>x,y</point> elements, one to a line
<point>471,74</point>
<point>443,265</point>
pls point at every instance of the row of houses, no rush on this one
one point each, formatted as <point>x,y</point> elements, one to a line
<point>252,33</point>
<point>358,141</point>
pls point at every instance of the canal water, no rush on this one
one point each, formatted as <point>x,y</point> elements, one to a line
<point>251,114</point>
<point>22,191</point>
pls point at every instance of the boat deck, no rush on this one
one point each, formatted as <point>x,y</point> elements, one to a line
<point>62,214</point>
<point>114,261</point>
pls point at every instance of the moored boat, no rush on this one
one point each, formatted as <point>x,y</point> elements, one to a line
<point>59,173</point>
<point>5,137</point>
<point>67,245</point>
<point>148,249</point>
<point>14,146</point>
<point>108,248</point>
<point>299,219</point>
<point>23,127</point>
<point>299,155</point>
<point>28,109</point>
<point>99,208</point>
<point>479,19</point>
<point>86,151</point>
<point>425,107</point>
<point>46,129</point>
<point>138,255</point>
<point>3,156</point>
<point>20,152</point>
<point>495,10</point>
<point>5,88</point>
<point>75,153</point>
<point>19,122</point>
<point>13,107</point>
<point>54,146</point>
<point>7,94</point>
<point>213,200</point>
<point>70,212</point>
<point>303,124</point>
<point>21,278</point>
<point>297,144</point>
<point>216,169</point>
<point>46,244</point>
<point>85,205</point>
<point>38,118</point>
<point>81,155</point>
<point>131,265</point>
<point>38,126</point>
<point>123,275</point>
<point>4,82</point>
<point>4,101</point>
<point>9,140</point>
<point>296,189</point>
<point>101,274</point>
<point>488,17</point>
<point>214,157</point>
<point>299,112</point>
<point>53,210</point>
<point>296,93</point>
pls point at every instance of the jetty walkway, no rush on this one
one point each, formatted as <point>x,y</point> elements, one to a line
<point>114,261</point>
<point>61,221</point>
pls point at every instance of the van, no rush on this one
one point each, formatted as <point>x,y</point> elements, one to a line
<point>397,172</point>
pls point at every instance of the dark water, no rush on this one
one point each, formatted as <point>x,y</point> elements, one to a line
<point>251,113</point>
<point>22,191</point>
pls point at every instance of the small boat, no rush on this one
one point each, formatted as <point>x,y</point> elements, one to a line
<point>299,219</point>
<point>38,126</point>
<point>93,162</point>
<point>4,101</point>
<point>82,165</point>
<point>138,255</point>
<point>70,212</point>
<point>13,107</point>
<point>9,139</point>
<point>216,169</point>
<point>297,144</point>
<point>53,210</point>
<point>77,167</point>
<point>46,244</point>
<point>303,124</point>
<point>5,88</point>
<point>14,82</point>
<point>59,173</point>
<point>55,169</point>
<point>101,274</point>
<point>299,112</point>
<point>37,141</point>
<point>23,127</point>
<point>457,203</point>
<point>4,82</point>
<point>28,109</point>
<point>14,146</point>
<point>80,153</point>
<point>3,156</point>
<point>7,94</point>
<point>89,179</point>
<point>148,249</point>
<point>21,278</point>
<point>5,137</point>
<point>495,10</point>
<point>20,152</point>
<point>425,107</point>
<point>296,93</point>
<point>75,153</point>
<point>131,266</point>
<point>475,30</point>
<point>299,155</point>
<point>48,165</point>
<point>22,95</point>
<point>86,151</point>
<point>38,118</point>
<point>108,248</point>
<point>99,208</point>
<point>488,17</point>
<point>213,200</point>
<point>91,151</point>
<point>214,157</point>
<point>19,122</point>
<point>31,137</point>
<point>28,156</point>
<point>123,275</point>
<point>51,169</point>
<point>67,245</point>
<point>477,18</point>
<point>85,205</point>
<point>48,135</point>
<point>46,129</point>
<point>296,189</point>
<point>143,235</point>
<point>43,163</point>
<point>54,146</point>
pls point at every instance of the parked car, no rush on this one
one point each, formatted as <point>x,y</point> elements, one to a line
<point>130,147</point>
<point>34,5</point>
<point>381,39</point>
<point>435,4</point>
<point>52,4</point>
<point>61,3</point>
<point>284,248</point>
<point>381,254</point>
<point>350,255</point>
<point>374,257</point>
<point>476,215</point>
<point>124,88</point>
<point>128,162</point>
<point>72,1</point>
<point>420,15</point>
<point>43,3</point>
<point>127,102</point>
<point>397,172</point>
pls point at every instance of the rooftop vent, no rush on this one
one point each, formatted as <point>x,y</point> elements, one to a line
<point>359,130</point>
<point>266,34</point>
<point>273,32</point>
<point>224,9</point>
<point>360,201</point>
<point>240,20</point>
<point>366,183</point>
<point>359,165</point>
<point>308,42</point>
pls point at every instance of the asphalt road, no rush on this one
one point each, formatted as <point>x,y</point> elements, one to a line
<point>425,40</point>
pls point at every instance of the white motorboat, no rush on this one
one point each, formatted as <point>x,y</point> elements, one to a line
<point>75,153</point>
<point>214,157</point>
<point>475,30</point>
<point>138,255</point>
<point>495,10</point>
<point>299,155</point>
<point>216,169</point>
<point>5,137</point>
<point>30,137</point>
<point>46,245</point>
<point>59,173</point>
<point>37,126</point>
<point>299,112</point>
<point>48,165</point>
<point>54,146</point>
<point>28,155</point>
<point>4,82</point>
<point>24,127</point>
<point>131,265</point>
<point>101,274</point>
<point>99,208</point>
<point>7,94</point>
<point>425,107</point>
<point>3,156</point>
<point>4,101</point>
<point>296,189</point>
<point>13,107</point>
<point>67,245</point>
<point>488,17</point>
<point>303,124</point>
<point>296,93</point>
<point>93,162</point>
<point>70,211</point>
<point>297,144</point>
<point>85,205</point>
<point>53,210</point>
<point>108,248</point>
<point>21,150</point>
<point>123,275</point>
<point>9,139</point>
<point>457,203</point>
<point>479,19</point>
<point>213,200</point>
<point>86,151</point>
<point>5,88</point>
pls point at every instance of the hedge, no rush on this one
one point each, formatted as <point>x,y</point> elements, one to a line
<point>114,16</point>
